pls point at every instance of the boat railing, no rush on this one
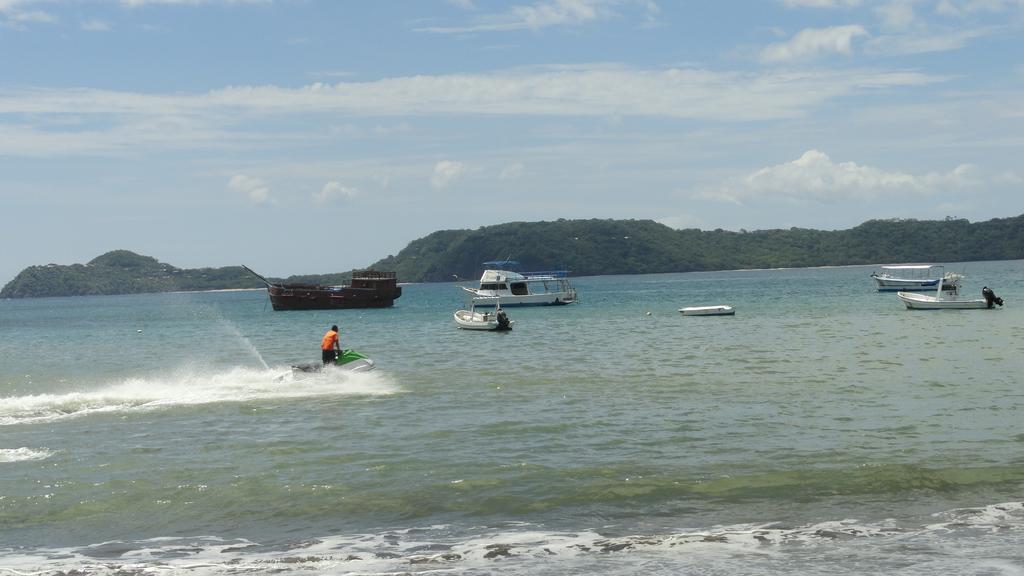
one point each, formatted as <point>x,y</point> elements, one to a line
<point>545,274</point>
<point>373,275</point>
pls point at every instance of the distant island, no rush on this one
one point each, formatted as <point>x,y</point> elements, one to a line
<point>584,247</point>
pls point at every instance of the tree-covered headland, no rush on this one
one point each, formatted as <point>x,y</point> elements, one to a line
<point>584,247</point>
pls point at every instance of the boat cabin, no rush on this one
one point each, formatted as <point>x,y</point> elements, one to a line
<point>523,288</point>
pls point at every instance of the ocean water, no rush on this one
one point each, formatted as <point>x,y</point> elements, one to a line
<point>823,429</point>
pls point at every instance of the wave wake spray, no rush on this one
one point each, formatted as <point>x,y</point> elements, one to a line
<point>191,387</point>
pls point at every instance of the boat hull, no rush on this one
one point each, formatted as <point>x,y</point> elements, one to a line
<point>331,298</point>
<point>708,311</point>
<point>484,300</point>
<point>903,285</point>
<point>925,302</point>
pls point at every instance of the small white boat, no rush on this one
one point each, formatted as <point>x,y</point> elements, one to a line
<point>948,298</point>
<point>911,277</point>
<point>551,288</point>
<point>915,301</point>
<point>473,320</point>
<point>720,310</point>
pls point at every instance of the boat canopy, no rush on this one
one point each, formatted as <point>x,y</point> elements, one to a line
<point>911,266</point>
<point>503,264</point>
<point>513,266</point>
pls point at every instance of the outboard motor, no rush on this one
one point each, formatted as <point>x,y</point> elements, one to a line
<point>503,323</point>
<point>990,297</point>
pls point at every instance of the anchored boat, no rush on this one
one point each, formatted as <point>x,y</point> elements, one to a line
<point>487,320</point>
<point>368,289</point>
<point>549,288</point>
<point>911,277</point>
<point>720,310</point>
<point>948,297</point>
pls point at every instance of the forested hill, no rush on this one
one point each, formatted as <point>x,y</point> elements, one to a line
<point>125,272</point>
<point>122,272</point>
<point>585,247</point>
<point>596,247</point>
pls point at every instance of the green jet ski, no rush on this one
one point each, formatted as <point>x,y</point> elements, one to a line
<point>349,360</point>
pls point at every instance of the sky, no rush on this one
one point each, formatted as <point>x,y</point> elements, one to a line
<point>317,136</point>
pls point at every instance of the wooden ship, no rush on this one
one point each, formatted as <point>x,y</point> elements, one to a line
<point>368,289</point>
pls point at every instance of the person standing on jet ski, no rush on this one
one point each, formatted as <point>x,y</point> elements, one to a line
<point>329,345</point>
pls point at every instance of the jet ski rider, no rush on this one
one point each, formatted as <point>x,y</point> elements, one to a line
<point>329,345</point>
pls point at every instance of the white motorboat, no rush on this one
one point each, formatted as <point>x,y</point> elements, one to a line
<point>948,297</point>
<point>910,277</point>
<point>720,310</point>
<point>487,320</point>
<point>522,289</point>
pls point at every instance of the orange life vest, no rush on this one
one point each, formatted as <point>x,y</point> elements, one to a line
<point>330,339</point>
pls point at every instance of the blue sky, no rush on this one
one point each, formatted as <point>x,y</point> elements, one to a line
<point>314,136</point>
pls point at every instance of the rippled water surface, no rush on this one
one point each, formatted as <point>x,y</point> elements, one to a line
<point>824,428</point>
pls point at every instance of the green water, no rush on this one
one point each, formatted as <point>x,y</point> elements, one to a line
<point>823,428</point>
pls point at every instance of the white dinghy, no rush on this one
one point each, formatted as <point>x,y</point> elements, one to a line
<point>720,310</point>
<point>488,320</point>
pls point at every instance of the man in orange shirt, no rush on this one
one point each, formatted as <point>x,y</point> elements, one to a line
<point>329,345</point>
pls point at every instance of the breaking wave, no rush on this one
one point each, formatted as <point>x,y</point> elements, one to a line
<point>23,454</point>
<point>966,538</point>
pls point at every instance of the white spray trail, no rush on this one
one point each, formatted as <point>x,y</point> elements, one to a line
<point>189,387</point>
<point>230,326</point>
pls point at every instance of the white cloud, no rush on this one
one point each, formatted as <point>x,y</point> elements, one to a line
<point>136,3</point>
<point>682,221</point>
<point>1009,177</point>
<point>400,128</point>
<point>332,190</point>
<point>820,3</point>
<point>815,177</point>
<point>254,188</point>
<point>598,91</point>
<point>544,14</point>
<point>924,43</point>
<point>896,15</point>
<point>95,26</point>
<point>511,172</point>
<point>32,121</point>
<point>960,9</point>
<point>555,13</point>
<point>446,172</point>
<point>812,42</point>
<point>7,6</point>
<point>16,13</point>
<point>947,8</point>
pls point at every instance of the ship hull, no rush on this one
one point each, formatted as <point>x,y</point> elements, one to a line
<point>284,298</point>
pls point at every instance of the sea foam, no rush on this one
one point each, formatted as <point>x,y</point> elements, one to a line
<point>22,454</point>
<point>521,548</point>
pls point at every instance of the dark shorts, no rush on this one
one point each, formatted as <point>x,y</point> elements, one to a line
<point>329,356</point>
